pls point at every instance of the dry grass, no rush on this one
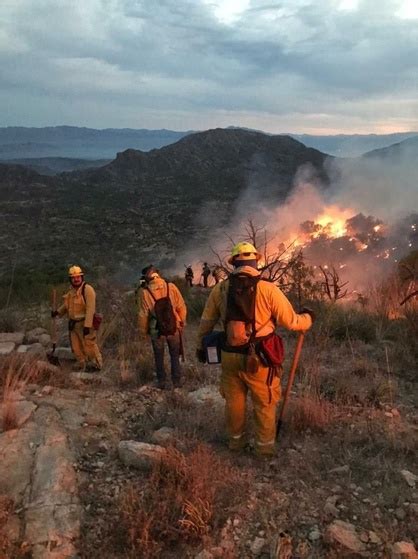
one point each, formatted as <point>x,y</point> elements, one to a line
<point>15,374</point>
<point>309,412</point>
<point>6,547</point>
<point>184,500</point>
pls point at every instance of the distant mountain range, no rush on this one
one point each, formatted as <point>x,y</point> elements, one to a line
<point>71,142</point>
<point>80,143</point>
<point>145,207</point>
<point>405,151</point>
<point>345,145</point>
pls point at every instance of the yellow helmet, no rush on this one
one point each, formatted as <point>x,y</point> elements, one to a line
<point>245,251</point>
<point>75,271</point>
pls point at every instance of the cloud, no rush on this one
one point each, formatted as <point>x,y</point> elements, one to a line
<point>293,65</point>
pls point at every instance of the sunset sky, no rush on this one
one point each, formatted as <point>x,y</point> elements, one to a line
<point>314,66</point>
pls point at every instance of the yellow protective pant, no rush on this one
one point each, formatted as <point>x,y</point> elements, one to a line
<point>85,348</point>
<point>234,385</point>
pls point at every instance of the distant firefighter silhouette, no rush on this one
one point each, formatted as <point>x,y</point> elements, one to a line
<point>205,274</point>
<point>217,274</point>
<point>189,276</point>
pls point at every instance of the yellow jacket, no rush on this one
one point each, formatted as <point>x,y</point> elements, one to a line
<point>272,308</point>
<point>78,307</point>
<point>147,322</point>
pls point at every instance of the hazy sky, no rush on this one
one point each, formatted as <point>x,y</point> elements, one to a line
<point>315,66</point>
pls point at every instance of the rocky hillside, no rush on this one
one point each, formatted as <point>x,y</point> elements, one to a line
<point>142,206</point>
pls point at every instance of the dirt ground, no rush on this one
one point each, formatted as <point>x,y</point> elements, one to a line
<point>349,435</point>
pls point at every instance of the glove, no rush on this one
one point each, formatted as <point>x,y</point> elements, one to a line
<point>201,355</point>
<point>86,331</point>
<point>54,314</point>
<point>311,313</point>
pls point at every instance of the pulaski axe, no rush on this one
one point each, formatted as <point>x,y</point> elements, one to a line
<point>290,380</point>
<point>53,359</point>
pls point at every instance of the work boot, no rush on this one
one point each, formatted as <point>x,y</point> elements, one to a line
<point>236,444</point>
<point>177,383</point>
<point>92,368</point>
<point>265,452</point>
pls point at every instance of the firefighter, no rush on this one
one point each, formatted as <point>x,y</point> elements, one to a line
<point>270,308</point>
<point>80,307</point>
<point>205,274</point>
<point>162,315</point>
<point>217,274</point>
<point>189,276</point>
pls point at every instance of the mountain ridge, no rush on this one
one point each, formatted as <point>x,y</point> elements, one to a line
<point>18,142</point>
<point>144,206</point>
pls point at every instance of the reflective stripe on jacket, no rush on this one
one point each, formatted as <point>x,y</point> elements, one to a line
<point>272,308</point>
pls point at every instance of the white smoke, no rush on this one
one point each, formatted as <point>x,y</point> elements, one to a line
<point>384,188</point>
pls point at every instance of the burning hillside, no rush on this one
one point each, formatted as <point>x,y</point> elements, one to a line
<point>336,240</point>
<point>361,248</point>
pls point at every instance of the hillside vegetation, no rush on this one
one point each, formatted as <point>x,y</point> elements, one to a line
<point>142,206</point>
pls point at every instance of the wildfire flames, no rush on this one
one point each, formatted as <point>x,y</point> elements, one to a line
<point>361,248</point>
<point>347,240</point>
<point>336,228</point>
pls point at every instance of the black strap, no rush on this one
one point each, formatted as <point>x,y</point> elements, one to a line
<point>83,290</point>
<point>253,330</point>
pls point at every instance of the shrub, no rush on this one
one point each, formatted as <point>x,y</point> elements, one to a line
<point>183,501</point>
<point>6,547</point>
<point>340,323</point>
<point>26,285</point>
<point>308,412</point>
<point>10,320</point>
<point>15,374</point>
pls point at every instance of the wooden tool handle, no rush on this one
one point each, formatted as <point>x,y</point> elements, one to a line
<point>54,320</point>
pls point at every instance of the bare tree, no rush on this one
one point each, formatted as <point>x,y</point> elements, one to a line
<point>332,285</point>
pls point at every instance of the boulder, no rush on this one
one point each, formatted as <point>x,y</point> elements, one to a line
<point>64,353</point>
<point>340,470</point>
<point>36,349</point>
<point>20,410</point>
<point>23,348</point>
<point>6,348</point>
<point>52,514</point>
<point>140,455</point>
<point>86,377</point>
<point>345,535</point>
<point>403,550</point>
<point>34,335</point>
<point>330,507</point>
<point>14,337</point>
<point>207,394</point>
<point>409,477</point>
<point>163,436</point>
<point>44,339</point>
<point>204,554</point>
<point>257,546</point>
<point>45,367</point>
<point>374,538</point>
